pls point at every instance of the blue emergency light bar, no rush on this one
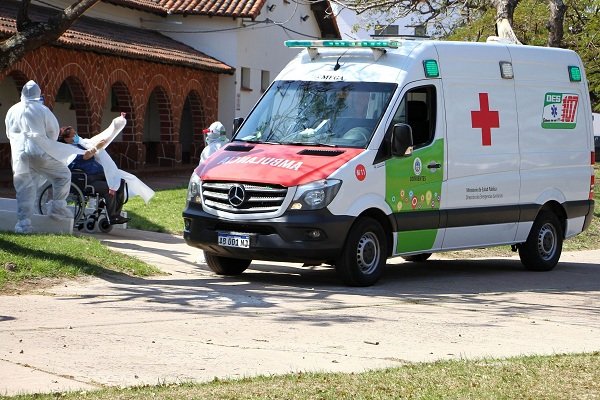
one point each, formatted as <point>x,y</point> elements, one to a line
<point>393,44</point>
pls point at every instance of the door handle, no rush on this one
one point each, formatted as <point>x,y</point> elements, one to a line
<point>434,165</point>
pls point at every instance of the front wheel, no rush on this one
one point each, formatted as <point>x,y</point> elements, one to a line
<point>364,255</point>
<point>225,265</point>
<point>542,249</point>
<point>104,225</point>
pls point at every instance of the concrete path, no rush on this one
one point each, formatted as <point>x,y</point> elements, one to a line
<point>277,318</point>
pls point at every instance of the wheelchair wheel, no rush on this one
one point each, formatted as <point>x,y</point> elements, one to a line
<point>90,224</point>
<point>75,200</point>
<point>103,225</point>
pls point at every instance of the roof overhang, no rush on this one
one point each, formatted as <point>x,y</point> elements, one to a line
<point>88,34</point>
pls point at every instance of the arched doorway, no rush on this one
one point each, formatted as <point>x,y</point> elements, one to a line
<point>190,133</point>
<point>71,107</point>
<point>157,125</point>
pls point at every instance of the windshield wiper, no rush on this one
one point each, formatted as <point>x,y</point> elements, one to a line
<point>256,141</point>
<point>316,144</point>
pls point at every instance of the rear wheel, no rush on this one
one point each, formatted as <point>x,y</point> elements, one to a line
<point>418,257</point>
<point>226,265</point>
<point>75,200</point>
<point>364,255</point>
<point>542,249</point>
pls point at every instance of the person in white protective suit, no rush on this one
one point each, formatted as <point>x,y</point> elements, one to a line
<point>98,144</point>
<point>32,130</point>
<point>215,139</point>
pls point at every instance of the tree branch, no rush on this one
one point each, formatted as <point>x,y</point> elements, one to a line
<point>32,35</point>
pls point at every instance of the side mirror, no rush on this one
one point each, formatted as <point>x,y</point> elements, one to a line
<point>402,140</point>
<point>236,124</point>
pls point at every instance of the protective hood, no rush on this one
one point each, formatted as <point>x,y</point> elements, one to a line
<point>215,132</point>
<point>31,92</point>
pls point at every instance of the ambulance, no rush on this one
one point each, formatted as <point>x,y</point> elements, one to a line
<point>364,150</point>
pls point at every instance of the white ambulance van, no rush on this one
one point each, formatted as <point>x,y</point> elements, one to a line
<point>364,150</point>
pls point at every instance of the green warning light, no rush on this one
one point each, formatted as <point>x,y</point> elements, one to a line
<point>431,68</point>
<point>574,74</point>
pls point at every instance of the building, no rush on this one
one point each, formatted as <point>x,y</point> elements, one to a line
<point>173,67</point>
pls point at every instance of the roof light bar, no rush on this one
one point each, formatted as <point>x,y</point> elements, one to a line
<point>344,43</point>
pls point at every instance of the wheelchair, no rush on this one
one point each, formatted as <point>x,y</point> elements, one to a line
<point>89,208</point>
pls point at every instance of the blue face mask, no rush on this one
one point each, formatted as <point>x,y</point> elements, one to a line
<point>76,139</point>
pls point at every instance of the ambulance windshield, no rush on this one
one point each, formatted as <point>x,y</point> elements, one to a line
<point>317,113</point>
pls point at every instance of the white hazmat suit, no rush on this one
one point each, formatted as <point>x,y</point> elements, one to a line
<point>215,139</point>
<point>32,130</point>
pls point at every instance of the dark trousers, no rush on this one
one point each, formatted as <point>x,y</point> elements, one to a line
<point>114,204</point>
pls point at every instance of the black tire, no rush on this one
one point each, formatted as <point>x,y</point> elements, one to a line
<point>90,224</point>
<point>543,247</point>
<point>418,257</point>
<point>103,225</point>
<point>225,265</point>
<point>364,254</point>
<point>75,199</point>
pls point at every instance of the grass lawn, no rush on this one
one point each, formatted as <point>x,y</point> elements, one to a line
<point>574,376</point>
<point>161,214</point>
<point>28,259</point>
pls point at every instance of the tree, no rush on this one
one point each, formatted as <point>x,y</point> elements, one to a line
<point>32,35</point>
<point>534,22</point>
<point>445,15</point>
<point>581,33</point>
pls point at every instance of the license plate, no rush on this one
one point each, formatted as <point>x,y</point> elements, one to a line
<point>234,240</point>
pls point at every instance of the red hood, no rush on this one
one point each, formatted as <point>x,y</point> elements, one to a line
<point>274,164</point>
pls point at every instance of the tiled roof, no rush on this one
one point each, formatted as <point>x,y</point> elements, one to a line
<point>220,8</point>
<point>119,40</point>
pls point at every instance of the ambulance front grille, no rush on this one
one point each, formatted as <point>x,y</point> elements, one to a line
<point>243,198</point>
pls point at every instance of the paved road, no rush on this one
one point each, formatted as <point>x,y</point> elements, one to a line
<point>276,318</point>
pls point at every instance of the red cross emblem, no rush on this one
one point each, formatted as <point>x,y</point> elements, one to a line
<point>485,119</point>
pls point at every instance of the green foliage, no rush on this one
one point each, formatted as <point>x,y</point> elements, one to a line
<point>581,33</point>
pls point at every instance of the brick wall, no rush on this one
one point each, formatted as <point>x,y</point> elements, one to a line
<point>91,76</point>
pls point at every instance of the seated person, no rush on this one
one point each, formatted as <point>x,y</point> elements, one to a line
<point>95,177</point>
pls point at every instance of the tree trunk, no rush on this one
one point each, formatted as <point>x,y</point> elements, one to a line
<point>555,22</point>
<point>505,10</point>
<point>32,35</point>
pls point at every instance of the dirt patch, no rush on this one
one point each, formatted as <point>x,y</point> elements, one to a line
<point>32,286</point>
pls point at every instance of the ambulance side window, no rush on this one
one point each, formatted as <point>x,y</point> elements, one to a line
<point>417,109</point>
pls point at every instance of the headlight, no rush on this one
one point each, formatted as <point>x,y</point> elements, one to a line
<point>194,189</point>
<point>315,195</point>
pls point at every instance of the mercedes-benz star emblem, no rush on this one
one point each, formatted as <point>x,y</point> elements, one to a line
<point>236,195</point>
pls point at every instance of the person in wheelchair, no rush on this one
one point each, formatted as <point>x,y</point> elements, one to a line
<point>113,199</point>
